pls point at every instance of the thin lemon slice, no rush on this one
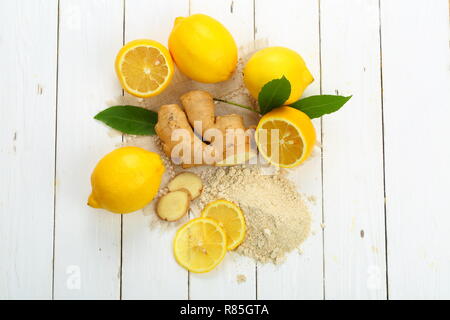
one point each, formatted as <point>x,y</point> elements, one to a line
<point>230,218</point>
<point>144,68</point>
<point>285,137</point>
<point>200,245</point>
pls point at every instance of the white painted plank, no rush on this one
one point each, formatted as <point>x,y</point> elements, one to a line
<point>222,283</point>
<point>295,24</point>
<point>416,86</point>
<point>353,190</point>
<point>28,41</point>
<point>149,269</point>
<point>87,241</point>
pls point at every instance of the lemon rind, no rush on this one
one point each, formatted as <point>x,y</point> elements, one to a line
<point>241,218</point>
<point>158,90</point>
<point>299,161</point>
<point>217,262</point>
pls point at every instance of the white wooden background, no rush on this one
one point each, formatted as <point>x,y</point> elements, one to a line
<point>381,180</point>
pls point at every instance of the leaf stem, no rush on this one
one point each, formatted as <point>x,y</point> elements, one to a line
<point>236,104</point>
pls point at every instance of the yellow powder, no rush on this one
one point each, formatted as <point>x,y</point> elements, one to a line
<point>277,219</point>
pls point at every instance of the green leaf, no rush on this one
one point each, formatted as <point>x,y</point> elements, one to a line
<point>129,119</point>
<point>317,106</point>
<point>273,94</point>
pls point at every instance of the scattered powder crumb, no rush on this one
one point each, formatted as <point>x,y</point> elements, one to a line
<point>322,225</point>
<point>241,278</point>
<point>318,144</point>
<point>352,226</point>
<point>40,90</point>
<point>312,199</point>
<point>277,219</point>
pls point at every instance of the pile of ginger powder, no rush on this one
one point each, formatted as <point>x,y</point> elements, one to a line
<point>277,218</point>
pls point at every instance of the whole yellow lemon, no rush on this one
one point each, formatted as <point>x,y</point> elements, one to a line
<point>126,180</point>
<point>203,49</point>
<point>273,63</point>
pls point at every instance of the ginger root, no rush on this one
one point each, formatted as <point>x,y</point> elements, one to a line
<point>171,118</point>
<point>173,205</point>
<point>188,181</point>
<point>203,138</point>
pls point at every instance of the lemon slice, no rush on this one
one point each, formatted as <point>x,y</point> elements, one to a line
<point>200,245</point>
<point>230,218</point>
<point>144,68</point>
<point>285,137</point>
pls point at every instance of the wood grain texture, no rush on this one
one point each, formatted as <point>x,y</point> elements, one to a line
<point>28,41</point>
<point>416,82</point>
<point>300,277</point>
<point>353,188</point>
<point>149,269</point>
<point>403,78</point>
<point>87,240</point>
<point>222,282</point>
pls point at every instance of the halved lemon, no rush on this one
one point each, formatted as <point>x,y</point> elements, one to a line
<point>144,67</point>
<point>230,218</point>
<point>200,245</point>
<point>285,137</point>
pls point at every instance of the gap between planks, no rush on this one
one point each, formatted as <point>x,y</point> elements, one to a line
<point>383,149</point>
<point>321,153</point>
<point>56,149</point>
<point>123,139</point>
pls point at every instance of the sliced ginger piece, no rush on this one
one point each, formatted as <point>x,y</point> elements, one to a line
<point>173,205</point>
<point>189,181</point>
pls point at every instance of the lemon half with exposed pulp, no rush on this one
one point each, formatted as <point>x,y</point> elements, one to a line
<point>144,67</point>
<point>285,137</point>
